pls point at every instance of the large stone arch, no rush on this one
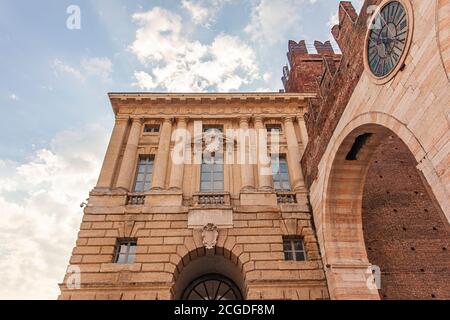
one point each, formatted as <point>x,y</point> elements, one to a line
<point>340,218</point>
<point>194,260</point>
<point>443,32</point>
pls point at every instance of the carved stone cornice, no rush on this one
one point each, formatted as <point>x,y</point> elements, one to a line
<point>232,101</point>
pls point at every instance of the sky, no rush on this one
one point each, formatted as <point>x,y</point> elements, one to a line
<point>58,61</point>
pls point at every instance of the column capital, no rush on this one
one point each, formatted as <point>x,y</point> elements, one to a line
<point>120,119</point>
<point>168,120</point>
<point>244,119</point>
<point>288,119</point>
<point>182,119</point>
<point>301,117</point>
<point>139,119</point>
<point>259,119</point>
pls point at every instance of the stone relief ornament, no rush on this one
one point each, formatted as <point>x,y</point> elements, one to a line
<point>210,235</point>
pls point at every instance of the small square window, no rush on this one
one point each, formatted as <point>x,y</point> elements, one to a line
<point>294,249</point>
<point>125,251</point>
<point>151,128</point>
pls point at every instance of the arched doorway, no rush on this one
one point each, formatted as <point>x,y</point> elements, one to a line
<point>212,287</point>
<point>209,277</point>
<point>372,173</point>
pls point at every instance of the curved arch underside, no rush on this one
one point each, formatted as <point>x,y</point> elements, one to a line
<point>404,232</point>
<point>372,174</point>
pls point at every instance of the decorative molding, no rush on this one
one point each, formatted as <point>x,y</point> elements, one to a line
<point>210,235</point>
<point>207,104</point>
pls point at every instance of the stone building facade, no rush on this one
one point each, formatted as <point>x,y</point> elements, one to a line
<point>180,232</point>
<point>366,163</point>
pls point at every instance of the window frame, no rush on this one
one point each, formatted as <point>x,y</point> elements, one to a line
<point>270,126</point>
<point>155,126</point>
<point>216,159</point>
<point>283,177</point>
<point>129,255</point>
<point>147,172</point>
<point>297,255</point>
<point>212,173</point>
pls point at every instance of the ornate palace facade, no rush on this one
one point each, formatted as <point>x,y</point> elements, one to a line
<point>155,227</point>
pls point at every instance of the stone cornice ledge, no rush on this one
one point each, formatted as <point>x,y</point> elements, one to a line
<point>241,97</point>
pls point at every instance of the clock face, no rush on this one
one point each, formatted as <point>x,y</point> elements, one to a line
<point>387,39</point>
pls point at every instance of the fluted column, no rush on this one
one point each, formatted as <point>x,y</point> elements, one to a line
<point>105,179</point>
<point>293,155</point>
<point>303,130</point>
<point>129,157</point>
<point>245,154</point>
<point>162,156</point>
<point>264,167</point>
<point>177,171</point>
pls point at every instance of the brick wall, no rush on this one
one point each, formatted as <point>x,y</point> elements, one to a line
<point>404,232</point>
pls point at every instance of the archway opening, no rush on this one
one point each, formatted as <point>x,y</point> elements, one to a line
<point>209,277</point>
<point>379,211</point>
<point>212,287</point>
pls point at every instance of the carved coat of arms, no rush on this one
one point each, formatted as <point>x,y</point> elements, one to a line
<point>210,235</point>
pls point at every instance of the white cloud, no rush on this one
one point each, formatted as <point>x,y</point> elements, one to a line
<point>14,97</point>
<point>179,64</point>
<point>333,20</point>
<point>267,76</point>
<point>100,67</point>
<point>61,68</point>
<point>272,20</point>
<point>198,13</point>
<point>39,203</point>
<point>204,12</point>
<point>144,80</point>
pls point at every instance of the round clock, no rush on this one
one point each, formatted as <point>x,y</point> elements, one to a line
<point>388,39</point>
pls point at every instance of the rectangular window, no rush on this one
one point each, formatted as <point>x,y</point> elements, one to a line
<point>293,249</point>
<point>281,175</point>
<point>211,176</point>
<point>151,128</point>
<point>273,127</point>
<point>125,251</point>
<point>212,128</point>
<point>144,173</point>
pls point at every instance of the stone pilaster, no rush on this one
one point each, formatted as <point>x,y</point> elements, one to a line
<point>162,156</point>
<point>245,150</point>
<point>106,177</point>
<point>264,169</point>
<point>293,156</point>
<point>177,170</point>
<point>129,158</point>
<point>303,131</point>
